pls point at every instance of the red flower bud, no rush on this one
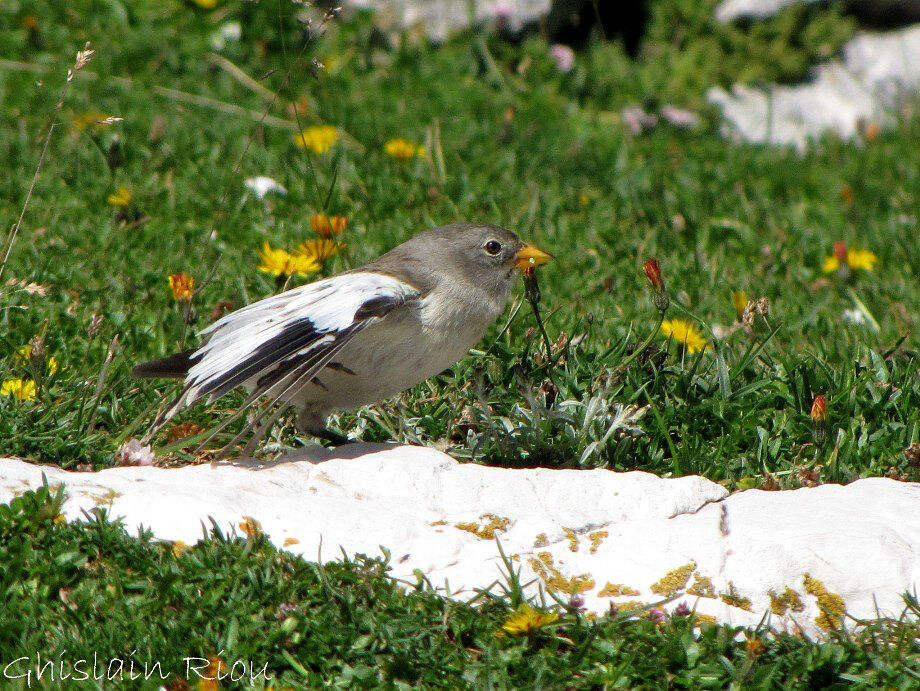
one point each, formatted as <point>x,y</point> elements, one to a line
<point>652,270</point>
<point>819,409</point>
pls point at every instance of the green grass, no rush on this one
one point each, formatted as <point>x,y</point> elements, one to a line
<point>69,591</point>
<point>524,146</point>
<point>720,219</point>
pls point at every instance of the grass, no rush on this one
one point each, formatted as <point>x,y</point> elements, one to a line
<point>521,147</point>
<point>510,140</point>
<point>275,620</point>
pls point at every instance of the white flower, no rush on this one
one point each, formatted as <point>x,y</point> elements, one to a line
<point>854,317</point>
<point>132,452</point>
<point>262,185</point>
<point>228,32</point>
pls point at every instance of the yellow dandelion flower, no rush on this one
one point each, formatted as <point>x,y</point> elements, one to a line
<point>327,226</point>
<point>403,150</point>
<point>24,355</point>
<point>525,620</point>
<point>319,249</point>
<point>684,333</point>
<point>740,301</point>
<point>83,120</point>
<point>120,197</point>
<point>206,4</point>
<point>854,259</point>
<point>216,670</point>
<point>861,259</point>
<point>20,389</point>
<point>182,287</point>
<point>280,262</point>
<point>318,139</point>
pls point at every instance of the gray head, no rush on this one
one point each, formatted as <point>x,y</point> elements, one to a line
<point>483,257</point>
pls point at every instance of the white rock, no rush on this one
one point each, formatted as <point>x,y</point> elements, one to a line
<point>878,70</point>
<point>858,545</point>
<point>730,10</point>
<point>440,18</point>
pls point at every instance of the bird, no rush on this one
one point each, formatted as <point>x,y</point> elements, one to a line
<point>355,338</point>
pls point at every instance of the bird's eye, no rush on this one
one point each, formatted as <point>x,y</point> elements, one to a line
<point>493,247</point>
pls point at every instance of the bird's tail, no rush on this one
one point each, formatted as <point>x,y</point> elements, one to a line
<point>174,366</point>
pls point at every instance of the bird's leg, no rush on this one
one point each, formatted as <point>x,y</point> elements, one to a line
<point>334,438</point>
<point>314,424</point>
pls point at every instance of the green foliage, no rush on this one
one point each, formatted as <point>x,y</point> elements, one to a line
<point>69,591</point>
<point>720,218</point>
<point>512,141</point>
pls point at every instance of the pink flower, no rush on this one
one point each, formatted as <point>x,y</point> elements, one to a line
<point>682,610</point>
<point>678,116</point>
<point>637,120</point>
<point>563,56</point>
<point>502,9</point>
<point>132,452</point>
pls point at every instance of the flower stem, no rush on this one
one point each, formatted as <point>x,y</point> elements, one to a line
<point>641,349</point>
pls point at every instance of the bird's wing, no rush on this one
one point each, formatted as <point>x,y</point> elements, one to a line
<point>293,333</point>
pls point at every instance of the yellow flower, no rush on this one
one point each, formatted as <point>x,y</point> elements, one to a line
<point>740,301</point>
<point>182,287</point>
<point>283,263</point>
<point>20,389</point>
<point>216,670</point>
<point>318,139</point>
<point>24,355</point>
<point>830,265</point>
<point>861,259</point>
<point>319,249</point>
<point>403,150</point>
<point>84,120</point>
<point>327,226</point>
<point>684,333</point>
<point>120,197</point>
<point>206,4</point>
<point>854,259</point>
<point>525,620</point>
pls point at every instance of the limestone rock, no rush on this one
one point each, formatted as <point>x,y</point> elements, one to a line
<point>799,557</point>
<point>438,19</point>
<point>878,71</point>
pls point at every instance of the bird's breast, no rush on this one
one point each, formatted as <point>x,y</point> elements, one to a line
<point>406,347</point>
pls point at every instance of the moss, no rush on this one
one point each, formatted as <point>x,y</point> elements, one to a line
<point>106,497</point>
<point>491,525</point>
<point>788,600</point>
<point>617,590</point>
<point>733,599</point>
<point>572,538</point>
<point>596,539</point>
<point>674,581</point>
<point>702,587</point>
<point>553,579</point>
<point>831,605</point>
<point>704,619</point>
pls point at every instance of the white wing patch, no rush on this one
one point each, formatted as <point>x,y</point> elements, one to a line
<point>265,334</point>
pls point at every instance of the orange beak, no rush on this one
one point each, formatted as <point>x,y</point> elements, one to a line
<point>529,256</point>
